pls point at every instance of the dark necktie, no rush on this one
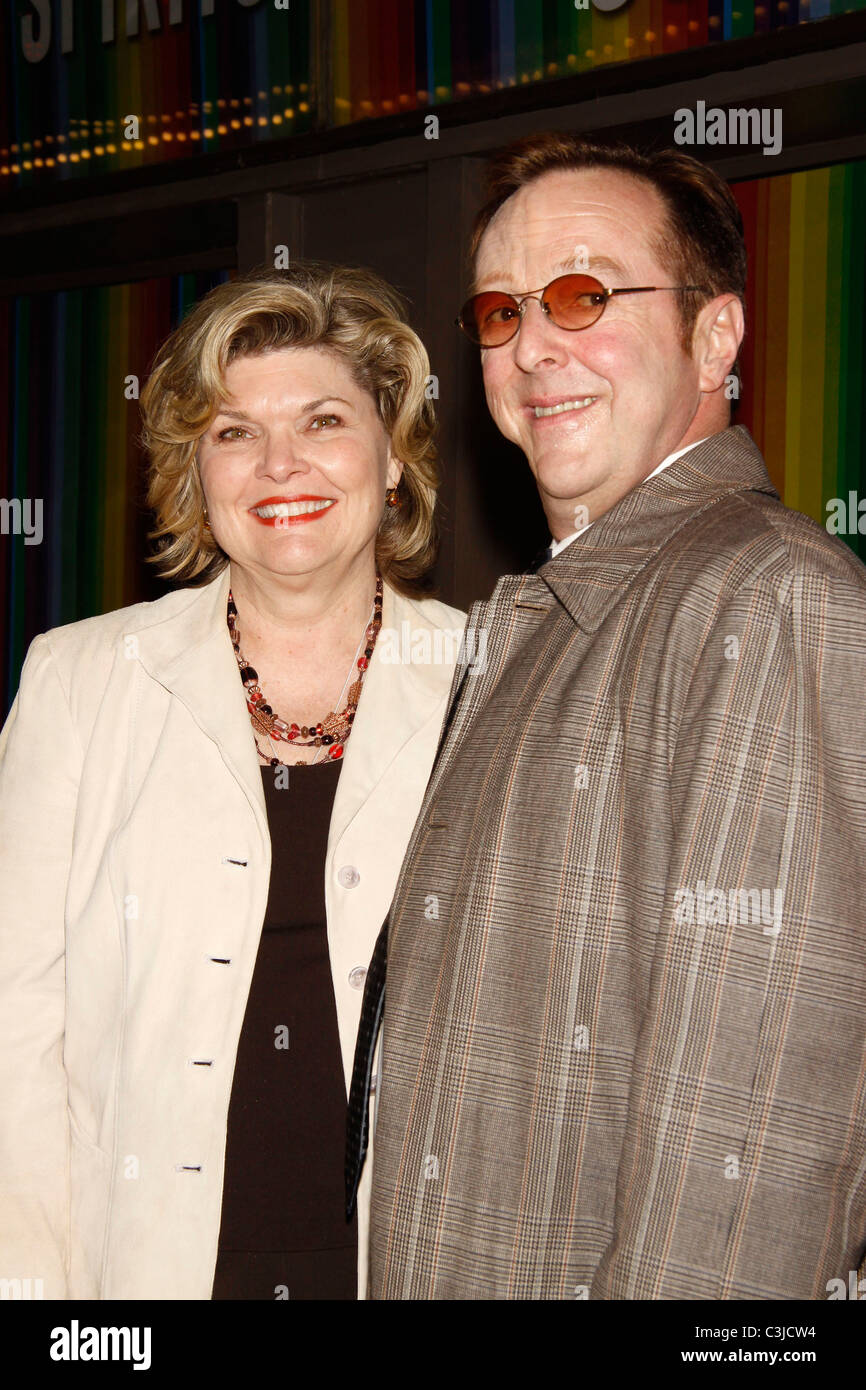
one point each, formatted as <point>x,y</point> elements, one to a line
<point>541,559</point>
<point>358,1123</point>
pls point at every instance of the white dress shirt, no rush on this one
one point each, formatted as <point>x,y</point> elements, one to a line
<point>556,546</point>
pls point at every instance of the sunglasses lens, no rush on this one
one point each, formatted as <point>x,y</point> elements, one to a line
<point>575,301</point>
<point>491,318</point>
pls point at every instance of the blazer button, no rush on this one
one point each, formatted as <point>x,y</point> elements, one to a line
<point>348,875</point>
<point>358,976</point>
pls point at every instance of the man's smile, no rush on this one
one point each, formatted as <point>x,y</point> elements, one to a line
<point>541,409</point>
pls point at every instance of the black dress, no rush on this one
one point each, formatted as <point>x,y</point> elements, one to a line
<point>283,1231</point>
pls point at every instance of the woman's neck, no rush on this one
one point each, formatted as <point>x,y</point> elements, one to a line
<point>315,614</point>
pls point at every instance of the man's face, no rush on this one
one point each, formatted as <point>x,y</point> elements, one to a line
<point>643,387</point>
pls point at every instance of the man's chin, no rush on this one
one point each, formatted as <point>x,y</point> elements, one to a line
<point>565,475</point>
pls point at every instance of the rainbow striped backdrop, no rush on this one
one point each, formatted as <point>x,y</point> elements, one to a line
<point>68,432</point>
<point>804,358</point>
<point>67,435</point>
<point>211,83</point>
<point>245,75</point>
<point>388,55</point>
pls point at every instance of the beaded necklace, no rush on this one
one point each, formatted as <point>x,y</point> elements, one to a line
<point>332,731</point>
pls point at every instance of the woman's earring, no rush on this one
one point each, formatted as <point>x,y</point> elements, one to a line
<point>392,497</point>
<point>207,525</point>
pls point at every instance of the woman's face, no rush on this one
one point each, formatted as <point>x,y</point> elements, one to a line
<point>297,430</point>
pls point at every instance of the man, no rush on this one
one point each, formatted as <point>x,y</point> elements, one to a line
<point>623,1050</point>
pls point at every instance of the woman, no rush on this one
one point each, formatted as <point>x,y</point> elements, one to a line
<point>205,802</point>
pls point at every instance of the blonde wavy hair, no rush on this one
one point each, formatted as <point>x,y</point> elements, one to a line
<point>348,311</point>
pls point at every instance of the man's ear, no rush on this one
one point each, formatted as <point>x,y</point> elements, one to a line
<point>719,330</point>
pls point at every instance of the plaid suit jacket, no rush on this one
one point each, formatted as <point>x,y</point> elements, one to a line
<point>623,1049</point>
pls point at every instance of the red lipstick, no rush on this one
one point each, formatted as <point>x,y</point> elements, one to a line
<point>280,520</point>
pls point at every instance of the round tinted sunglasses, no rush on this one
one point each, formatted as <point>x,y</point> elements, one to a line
<point>571,301</point>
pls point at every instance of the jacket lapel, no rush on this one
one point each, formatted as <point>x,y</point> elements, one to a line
<point>474,682</point>
<point>189,651</point>
<point>397,698</point>
<point>590,576</point>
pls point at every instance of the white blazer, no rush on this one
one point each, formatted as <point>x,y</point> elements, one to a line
<point>135,863</point>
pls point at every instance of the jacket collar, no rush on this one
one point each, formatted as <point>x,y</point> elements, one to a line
<point>589,575</point>
<point>183,642</point>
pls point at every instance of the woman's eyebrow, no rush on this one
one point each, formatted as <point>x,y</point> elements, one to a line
<point>308,405</point>
<point>323,400</point>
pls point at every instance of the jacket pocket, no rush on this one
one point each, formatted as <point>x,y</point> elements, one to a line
<point>89,1189</point>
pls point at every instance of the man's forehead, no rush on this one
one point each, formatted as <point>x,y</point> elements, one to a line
<point>595,220</point>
